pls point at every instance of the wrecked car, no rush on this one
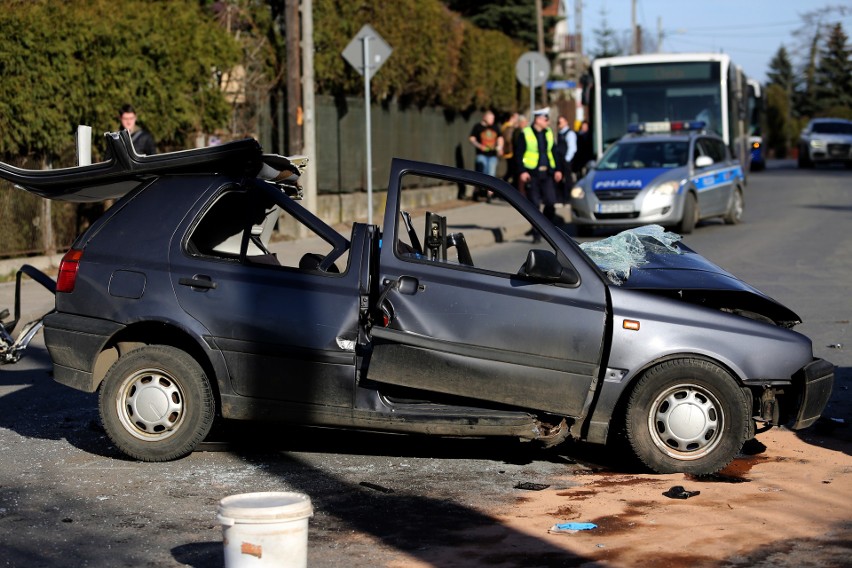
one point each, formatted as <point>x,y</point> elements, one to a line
<point>177,310</point>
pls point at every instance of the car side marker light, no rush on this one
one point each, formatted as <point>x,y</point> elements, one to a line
<point>632,325</point>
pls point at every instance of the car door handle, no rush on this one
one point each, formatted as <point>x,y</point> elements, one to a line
<point>198,281</point>
<point>409,285</point>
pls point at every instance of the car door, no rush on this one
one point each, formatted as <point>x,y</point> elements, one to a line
<point>285,326</point>
<point>455,326</point>
<point>714,183</point>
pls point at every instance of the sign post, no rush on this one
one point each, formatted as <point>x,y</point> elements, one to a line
<point>532,70</point>
<point>366,61</point>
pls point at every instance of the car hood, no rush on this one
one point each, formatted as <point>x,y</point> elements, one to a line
<point>652,259</point>
<point>832,138</point>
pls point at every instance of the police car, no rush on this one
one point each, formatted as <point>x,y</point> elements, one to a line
<point>666,173</point>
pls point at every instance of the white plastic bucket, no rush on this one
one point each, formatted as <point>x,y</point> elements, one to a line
<point>265,529</point>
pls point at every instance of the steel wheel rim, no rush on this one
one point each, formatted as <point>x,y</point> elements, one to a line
<point>686,422</point>
<point>150,405</point>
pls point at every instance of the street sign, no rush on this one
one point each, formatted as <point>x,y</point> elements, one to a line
<point>557,85</point>
<point>532,69</point>
<point>366,53</point>
<point>379,50</point>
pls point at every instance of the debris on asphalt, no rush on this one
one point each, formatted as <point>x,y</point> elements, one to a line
<point>835,346</point>
<point>376,487</point>
<point>678,492</point>
<point>531,486</point>
<point>571,527</point>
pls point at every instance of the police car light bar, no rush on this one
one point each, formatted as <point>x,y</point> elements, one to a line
<point>665,126</point>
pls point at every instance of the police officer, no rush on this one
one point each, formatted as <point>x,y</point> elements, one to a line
<point>536,162</point>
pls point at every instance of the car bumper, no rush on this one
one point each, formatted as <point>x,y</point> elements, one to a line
<point>642,210</point>
<point>74,343</point>
<point>831,153</point>
<point>812,389</point>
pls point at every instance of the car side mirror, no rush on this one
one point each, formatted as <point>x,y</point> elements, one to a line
<point>543,265</point>
<point>703,161</point>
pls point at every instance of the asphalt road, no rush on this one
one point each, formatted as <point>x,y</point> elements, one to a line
<point>68,499</point>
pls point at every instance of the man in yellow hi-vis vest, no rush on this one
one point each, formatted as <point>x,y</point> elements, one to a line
<point>535,161</point>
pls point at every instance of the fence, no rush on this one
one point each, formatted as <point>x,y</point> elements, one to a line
<point>425,134</point>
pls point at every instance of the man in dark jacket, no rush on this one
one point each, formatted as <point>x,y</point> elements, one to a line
<point>143,142</point>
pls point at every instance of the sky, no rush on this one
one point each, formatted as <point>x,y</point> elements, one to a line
<point>750,31</point>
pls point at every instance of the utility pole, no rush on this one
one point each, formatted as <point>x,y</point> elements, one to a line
<point>578,27</point>
<point>309,131</point>
<point>659,34</point>
<point>634,28</point>
<point>539,21</point>
<point>294,78</point>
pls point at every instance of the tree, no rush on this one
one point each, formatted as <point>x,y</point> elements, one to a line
<point>76,62</point>
<point>781,71</point>
<point>809,35</point>
<point>833,75</point>
<point>515,18</point>
<point>779,100</point>
<point>777,120</point>
<point>439,58</point>
<point>606,39</point>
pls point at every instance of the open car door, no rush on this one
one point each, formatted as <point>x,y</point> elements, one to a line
<point>485,324</point>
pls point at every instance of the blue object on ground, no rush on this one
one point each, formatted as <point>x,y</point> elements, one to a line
<point>575,526</point>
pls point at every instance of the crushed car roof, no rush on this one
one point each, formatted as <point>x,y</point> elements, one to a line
<point>124,169</point>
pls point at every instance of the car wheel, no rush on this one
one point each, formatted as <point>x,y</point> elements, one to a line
<point>156,403</point>
<point>735,211</point>
<point>690,215</point>
<point>804,158</point>
<point>687,416</point>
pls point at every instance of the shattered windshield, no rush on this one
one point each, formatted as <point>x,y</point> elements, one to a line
<point>619,254</point>
<point>637,155</point>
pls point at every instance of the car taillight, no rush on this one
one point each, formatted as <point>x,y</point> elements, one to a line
<point>68,270</point>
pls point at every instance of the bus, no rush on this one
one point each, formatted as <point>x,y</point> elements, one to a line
<point>670,87</point>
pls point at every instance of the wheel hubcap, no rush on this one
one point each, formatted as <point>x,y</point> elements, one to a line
<point>686,422</point>
<point>150,406</point>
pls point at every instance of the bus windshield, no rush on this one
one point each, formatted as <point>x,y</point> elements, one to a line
<point>659,92</point>
<point>650,154</point>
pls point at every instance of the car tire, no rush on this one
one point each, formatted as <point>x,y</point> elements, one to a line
<point>734,215</point>
<point>687,416</point>
<point>690,215</point>
<point>156,403</point>
<point>804,159</point>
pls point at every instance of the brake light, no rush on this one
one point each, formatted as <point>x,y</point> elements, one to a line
<point>68,270</point>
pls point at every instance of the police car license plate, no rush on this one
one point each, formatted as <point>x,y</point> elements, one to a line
<point>618,207</point>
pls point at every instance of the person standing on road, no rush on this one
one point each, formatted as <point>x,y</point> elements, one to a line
<point>507,131</point>
<point>566,148</point>
<point>585,153</point>
<point>143,142</point>
<point>537,164</point>
<point>518,133</point>
<point>488,142</point>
